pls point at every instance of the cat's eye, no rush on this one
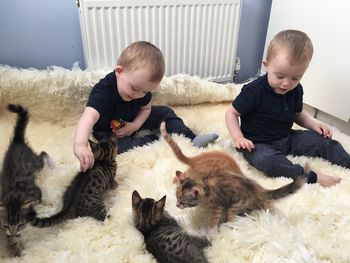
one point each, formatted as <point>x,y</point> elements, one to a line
<point>5,225</point>
<point>21,225</point>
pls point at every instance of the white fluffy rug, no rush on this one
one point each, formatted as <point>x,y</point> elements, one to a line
<point>311,226</point>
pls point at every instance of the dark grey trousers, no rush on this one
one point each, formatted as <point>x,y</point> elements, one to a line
<point>271,159</point>
<point>158,114</point>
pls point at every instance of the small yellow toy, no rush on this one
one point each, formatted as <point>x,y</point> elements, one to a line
<point>117,124</point>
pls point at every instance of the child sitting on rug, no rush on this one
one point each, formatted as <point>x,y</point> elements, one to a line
<point>267,108</point>
<point>125,94</point>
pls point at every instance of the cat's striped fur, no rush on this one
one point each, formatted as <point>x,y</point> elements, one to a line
<point>226,195</point>
<point>215,182</point>
<point>85,195</point>
<point>18,189</point>
<point>164,237</point>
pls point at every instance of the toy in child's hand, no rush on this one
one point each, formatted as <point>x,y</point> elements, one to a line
<point>117,124</point>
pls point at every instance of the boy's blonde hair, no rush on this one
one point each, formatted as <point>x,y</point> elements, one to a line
<point>142,54</point>
<point>297,43</point>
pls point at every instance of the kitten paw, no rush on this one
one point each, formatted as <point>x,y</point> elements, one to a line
<point>48,160</point>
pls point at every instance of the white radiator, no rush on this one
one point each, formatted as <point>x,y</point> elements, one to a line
<point>197,37</point>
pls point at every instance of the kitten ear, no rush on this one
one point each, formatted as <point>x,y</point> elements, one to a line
<point>93,145</point>
<point>180,176</point>
<point>114,138</point>
<point>28,204</point>
<point>195,192</point>
<point>136,199</point>
<point>161,203</point>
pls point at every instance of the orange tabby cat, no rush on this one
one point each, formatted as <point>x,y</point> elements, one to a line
<point>204,164</point>
<point>227,194</point>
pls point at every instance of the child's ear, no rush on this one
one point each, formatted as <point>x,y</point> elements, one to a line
<point>265,63</point>
<point>118,69</point>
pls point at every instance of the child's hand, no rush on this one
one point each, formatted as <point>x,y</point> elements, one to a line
<point>85,156</point>
<point>243,143</point>
<point>128,129</point>
<point>323,130</point>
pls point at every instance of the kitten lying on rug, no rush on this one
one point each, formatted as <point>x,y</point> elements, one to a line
<point>215,182</point>
<point>204,164</point>
<point>164,238</point>
<point>84,196</point>
<point>18,190</point>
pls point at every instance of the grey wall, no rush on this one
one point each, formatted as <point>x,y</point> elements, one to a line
<point>252,34</point>
<point>40,33</point>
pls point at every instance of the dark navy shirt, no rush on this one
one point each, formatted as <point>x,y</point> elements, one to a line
<point>105,99</point>
<point>266,115</point>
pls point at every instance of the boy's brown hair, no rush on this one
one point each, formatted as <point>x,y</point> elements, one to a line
<point>141,54</point>
<point>296,42</point>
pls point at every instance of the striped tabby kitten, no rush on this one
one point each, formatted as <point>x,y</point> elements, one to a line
<point>18,190</point>
<point>204,164</point>
<point>227,194</point>
<point>164,238</point>
<point>85,195</point>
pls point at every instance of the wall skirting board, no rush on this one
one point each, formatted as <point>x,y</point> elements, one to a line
<point>329,119</point>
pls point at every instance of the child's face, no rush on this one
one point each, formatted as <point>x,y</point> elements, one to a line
<point>284,76</point>
<point>134,84</point>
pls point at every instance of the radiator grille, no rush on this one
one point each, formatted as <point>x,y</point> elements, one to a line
<point>196,37</point>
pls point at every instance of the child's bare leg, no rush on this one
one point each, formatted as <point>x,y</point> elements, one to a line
<point>326,180</point>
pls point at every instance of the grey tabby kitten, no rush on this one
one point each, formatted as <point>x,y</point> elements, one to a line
<point>85,195</point>
<point>164,238</point>
<point>18,190</point>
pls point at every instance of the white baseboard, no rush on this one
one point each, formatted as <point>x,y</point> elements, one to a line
<point>327,118</point>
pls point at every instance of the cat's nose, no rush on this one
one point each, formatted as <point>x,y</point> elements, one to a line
<point>12,232</point>
<point>179,205</point>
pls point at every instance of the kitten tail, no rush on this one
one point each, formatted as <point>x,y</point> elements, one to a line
<point>290,188</point>
<point>21,124</point>
<point>176,149</point>
<point>49,221</point>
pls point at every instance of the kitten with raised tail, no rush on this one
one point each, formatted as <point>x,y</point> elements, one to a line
<point>85,195</point>
<point>164,237</point>
<point>19,193</point>
<point>227,194</point>
<point>215,182</point>
<point>204,164</point>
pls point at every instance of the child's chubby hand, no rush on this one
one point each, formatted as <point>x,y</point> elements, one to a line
<point>323,130</point>
<point>243,143</point>
<point>127,129</point>
<point>85,156</point>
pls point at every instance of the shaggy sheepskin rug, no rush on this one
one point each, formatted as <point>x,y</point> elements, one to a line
<point>312,225</point>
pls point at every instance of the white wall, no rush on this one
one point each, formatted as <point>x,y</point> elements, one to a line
<point>326,84</point>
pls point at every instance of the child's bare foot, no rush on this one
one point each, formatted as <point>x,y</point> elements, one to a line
<point>326,180</point>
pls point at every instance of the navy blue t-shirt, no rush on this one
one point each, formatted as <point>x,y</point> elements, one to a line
<point>105,99</point>
<point>266,115</point>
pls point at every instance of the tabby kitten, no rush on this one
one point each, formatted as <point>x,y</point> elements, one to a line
<point>18,190</point>
<point>164,238</point>
<point>85,195</point>
<point>204,164</point>
<point>227,194</point>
